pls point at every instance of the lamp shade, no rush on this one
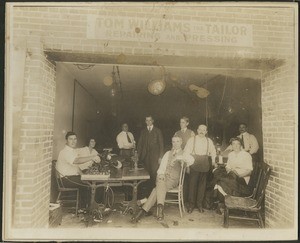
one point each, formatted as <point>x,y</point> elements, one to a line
<point>108,81</point>
<point>156,87</point>
<point>200,92</point>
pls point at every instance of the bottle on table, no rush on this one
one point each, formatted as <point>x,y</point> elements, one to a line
<point>135,159</point>
<point>219,157</point>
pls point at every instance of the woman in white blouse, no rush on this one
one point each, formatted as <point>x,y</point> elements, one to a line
<point>88,151</point>
<point>234,179</point>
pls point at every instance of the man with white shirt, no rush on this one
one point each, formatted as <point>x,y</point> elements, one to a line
<point>168,175</point>
<point>126,142</point>
<point>249,141</point>
<point>199,145</point>
<point>67,166</point>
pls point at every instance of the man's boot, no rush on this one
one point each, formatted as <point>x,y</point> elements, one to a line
<point>160,212</point>
<point>138,216</point>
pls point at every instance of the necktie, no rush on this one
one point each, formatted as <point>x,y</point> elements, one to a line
<point>149,129</point>
<point>243,143</point>
<point>128,138</point>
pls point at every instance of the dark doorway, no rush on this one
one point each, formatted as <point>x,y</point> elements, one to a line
<point>231,100</point>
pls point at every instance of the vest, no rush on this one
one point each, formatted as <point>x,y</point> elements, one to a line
<point>184,136</point>
<point>173,172</point>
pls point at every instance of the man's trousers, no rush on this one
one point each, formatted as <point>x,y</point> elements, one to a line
<point>158,194</point>
<point>197,186</point>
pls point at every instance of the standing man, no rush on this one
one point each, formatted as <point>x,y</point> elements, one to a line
<point>67,166</point>
<point>126,142</point>
<point>249,141</point>
<point>185,134</point>
<point>200,145</point>
<point>150,149</point>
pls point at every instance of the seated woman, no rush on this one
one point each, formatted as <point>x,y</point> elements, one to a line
<point>234,178</point>
<point>87,151</point>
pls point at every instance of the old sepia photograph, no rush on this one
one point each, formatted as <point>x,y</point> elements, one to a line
<point>150,121</point>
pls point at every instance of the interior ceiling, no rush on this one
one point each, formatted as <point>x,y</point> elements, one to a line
<point>135,78</point>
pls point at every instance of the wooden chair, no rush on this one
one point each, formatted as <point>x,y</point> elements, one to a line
<point>65,195</point>
<point>252,205</point>
<point>176,195</point>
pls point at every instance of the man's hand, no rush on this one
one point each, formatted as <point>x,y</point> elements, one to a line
<point>159,161</point>
<point>161,177</point>
<point>96,159</point>
<point>228,169</point>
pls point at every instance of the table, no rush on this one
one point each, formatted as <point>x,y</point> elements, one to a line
<point>118,177</point>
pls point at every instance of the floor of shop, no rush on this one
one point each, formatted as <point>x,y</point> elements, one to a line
<point>172,219</point>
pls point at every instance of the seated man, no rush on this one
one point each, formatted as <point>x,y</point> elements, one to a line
<point>234,178</point>
<point>67,166</point>
<point>167,178</point>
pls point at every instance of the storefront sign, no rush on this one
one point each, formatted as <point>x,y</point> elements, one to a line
<point>168,31</point>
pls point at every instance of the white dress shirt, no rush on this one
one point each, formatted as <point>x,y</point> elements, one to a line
<point>187,158</point>
<point>250,143</point>
<point>85,152</point>
<point>123,141</point>
<point>150,128</point>
<point>65,161</point>
<point>240,162</point>
<point>201,146</point>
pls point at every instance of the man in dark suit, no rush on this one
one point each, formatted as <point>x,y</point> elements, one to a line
<point>150,150</point>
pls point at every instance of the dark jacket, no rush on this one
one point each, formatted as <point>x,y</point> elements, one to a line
<point>150,145</point>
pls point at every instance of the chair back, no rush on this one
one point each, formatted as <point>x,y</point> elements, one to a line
<point>182,175</point>
<point>257,183</point>
<point>262,185</point>
<point>57,175</point>
<point>254,178</point>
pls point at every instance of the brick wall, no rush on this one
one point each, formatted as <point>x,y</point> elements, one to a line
<point>35,153</point>
<point>64,29</point>
<point>278,108</point>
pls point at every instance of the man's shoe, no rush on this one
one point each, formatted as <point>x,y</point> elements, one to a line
<point>200,210</point>
<point>190,209</point>
<point>138,216</point>
<point>160,212</point>
<point>149,213</point>
<point>220,208</point>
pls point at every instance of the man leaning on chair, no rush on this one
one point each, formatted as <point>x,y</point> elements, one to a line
<point>168,175</point>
